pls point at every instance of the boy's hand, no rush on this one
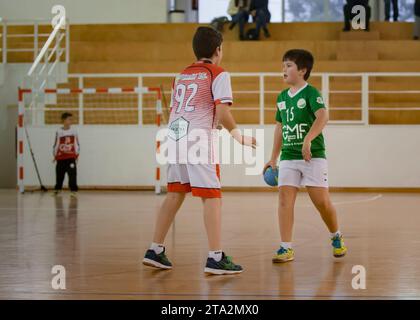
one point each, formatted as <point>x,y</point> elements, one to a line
<point>271,163</point>
<point>249,141</point>
<point>53,160</point>
<point>244,140</point>
<point>306,150</point>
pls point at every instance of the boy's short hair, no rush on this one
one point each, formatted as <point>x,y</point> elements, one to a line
<point>303,59</point>
<point>66,115</point>
<point>205,42</point>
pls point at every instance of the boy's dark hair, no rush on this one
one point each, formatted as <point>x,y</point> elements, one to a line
<point>205,42</point>
<point>303,59</point>
<point>66,115</point>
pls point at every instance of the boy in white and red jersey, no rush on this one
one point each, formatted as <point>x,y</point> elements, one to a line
<point>201,99</point>
<point>66,152</point>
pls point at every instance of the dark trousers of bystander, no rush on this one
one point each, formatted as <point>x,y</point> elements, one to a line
<point>66,166</point>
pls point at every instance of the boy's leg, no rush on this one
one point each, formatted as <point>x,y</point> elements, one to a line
<point>166,215</point>
<point>289,182</point>
<point>217,262</point>
<point>59,175</point>
<point>72,172</point>
<point>213,222</point>
<point>321,199</point>
<point>287,199</point>
<point>155,256</point>
<point>205,183</point>
<point>178,186</point>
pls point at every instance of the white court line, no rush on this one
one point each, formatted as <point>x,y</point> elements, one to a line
<point>347,202</point>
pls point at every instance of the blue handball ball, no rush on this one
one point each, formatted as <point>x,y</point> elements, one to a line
<point>271,176</point>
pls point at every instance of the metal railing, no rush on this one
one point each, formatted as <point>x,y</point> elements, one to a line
<point>33,46</point>
<point>364,91</point>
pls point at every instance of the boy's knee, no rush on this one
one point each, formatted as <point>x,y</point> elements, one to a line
<point>285,205</point>
<point>176,195</point>
<point>285,200</point>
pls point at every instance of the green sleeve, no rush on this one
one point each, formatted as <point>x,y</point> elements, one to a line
<point>278,113</point>
<point>315,100</point>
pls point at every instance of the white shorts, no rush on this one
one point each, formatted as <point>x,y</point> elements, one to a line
<point>298,173</point>
<point>203,180</point>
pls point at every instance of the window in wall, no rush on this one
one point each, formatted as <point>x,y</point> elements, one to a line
<point>406,10</point>
<point>336,10</point>
<point>297,10</point>
<point>304,10</point>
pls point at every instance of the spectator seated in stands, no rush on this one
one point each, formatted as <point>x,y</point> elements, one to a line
<point>239,11</point>
<point>261,15</point>
<point>348,15</point>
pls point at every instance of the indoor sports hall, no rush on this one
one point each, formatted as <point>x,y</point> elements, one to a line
<point>113,69</point>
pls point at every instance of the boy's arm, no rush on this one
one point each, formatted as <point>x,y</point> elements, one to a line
<point>76,145</point>
<point>55,146</point>
<point>278,135</point>
<point>316,129</point>
<point>224,117</point>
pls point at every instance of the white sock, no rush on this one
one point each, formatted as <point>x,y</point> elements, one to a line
<point>157,247</point>
<point>334,234</point>
<point>216,255</point>
<point>286,245</point>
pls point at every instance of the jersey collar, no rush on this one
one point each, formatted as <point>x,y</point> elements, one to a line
<point>208,61</point>
<point>294,94</point>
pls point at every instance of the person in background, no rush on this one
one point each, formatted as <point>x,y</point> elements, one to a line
<point>417,20</point>
<point>239,11</point>
<point>348,15</point>
<point>261,15</point>
<point>66,152</point>
<point>394,10</point>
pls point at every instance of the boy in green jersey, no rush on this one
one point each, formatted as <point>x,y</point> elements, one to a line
<point>301,116</point>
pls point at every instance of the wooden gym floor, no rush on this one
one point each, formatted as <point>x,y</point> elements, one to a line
<point>100,239</point>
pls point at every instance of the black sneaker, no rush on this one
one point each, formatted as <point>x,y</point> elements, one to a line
<point>224,266</point>
<point>160,260</point>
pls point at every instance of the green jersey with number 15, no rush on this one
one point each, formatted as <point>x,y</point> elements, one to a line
<point>296,112</point>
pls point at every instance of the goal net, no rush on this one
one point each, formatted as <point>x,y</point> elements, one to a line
<point>116,128</point>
